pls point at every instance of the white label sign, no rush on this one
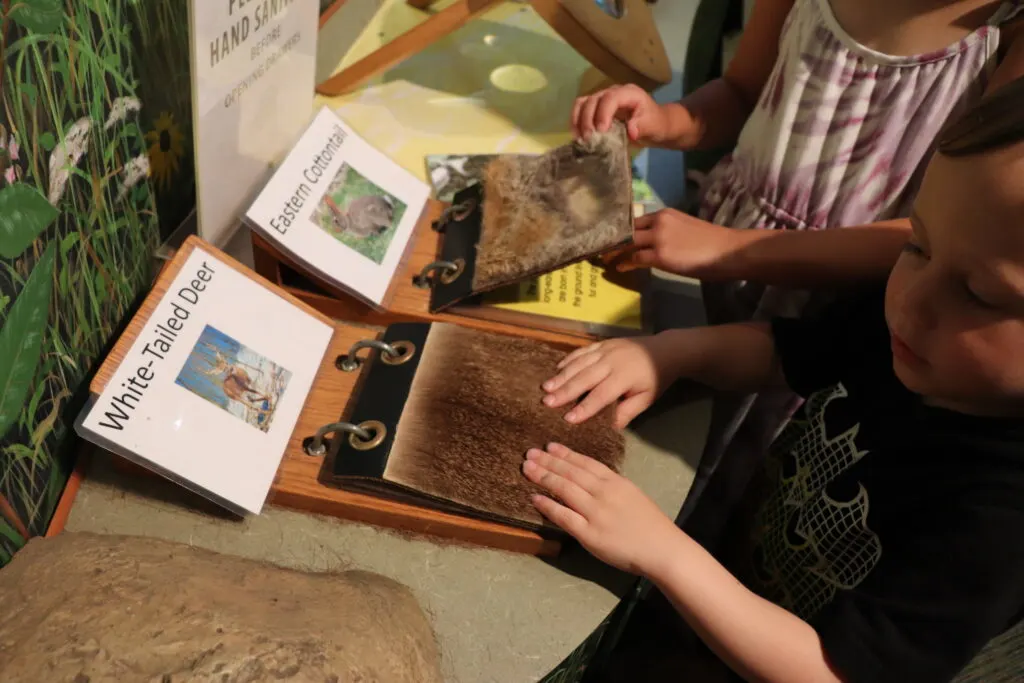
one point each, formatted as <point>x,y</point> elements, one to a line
<point>253,79</point>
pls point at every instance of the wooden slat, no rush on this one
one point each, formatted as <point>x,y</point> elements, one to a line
<point>404,46</point>
<point>329,12</point>
<point>627,50</point>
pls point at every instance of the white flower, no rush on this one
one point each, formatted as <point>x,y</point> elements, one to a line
<point>66,156</point>
<point>134,171</point>
<point>120,109</point>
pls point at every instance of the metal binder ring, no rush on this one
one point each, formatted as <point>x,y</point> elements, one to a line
<point>457,212</point>
<point>450,271</point>
<point>315,446</point>
<point>392,354</point>
<point>377,433</point>
<point>404,351</point>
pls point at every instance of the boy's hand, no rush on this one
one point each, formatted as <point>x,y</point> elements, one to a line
<point>637,369</point>
<point>646,121</point>
<point>604,511</point>
<point>679,243</point>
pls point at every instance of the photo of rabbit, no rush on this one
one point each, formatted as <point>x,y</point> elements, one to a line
<point>359,214</point>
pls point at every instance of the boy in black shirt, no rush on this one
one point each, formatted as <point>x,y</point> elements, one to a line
<point>886,540</point>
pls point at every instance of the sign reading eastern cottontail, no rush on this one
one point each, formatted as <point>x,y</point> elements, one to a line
<point>365,216</point>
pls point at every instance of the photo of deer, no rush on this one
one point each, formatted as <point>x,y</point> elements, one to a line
<point>359,214</point>
<point>234,377</point>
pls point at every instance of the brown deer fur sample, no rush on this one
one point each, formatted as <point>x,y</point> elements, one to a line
<point>542,212</point>
<point>473,411</point>
<point>88,608</point>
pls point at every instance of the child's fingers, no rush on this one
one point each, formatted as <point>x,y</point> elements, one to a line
<point>643,222</point>
<point>602,395</point>
<point>571,494</point>
<point>573,369</point>
<point>577,108</point>
<point>643,236</point>
<point>570,520</point>
<point>645,257</point>
<point>633,130</point>
<point>596,468</point>
<point>577,353</point>
<point>578,383</point>
<point>564,468</point>
<point>588,112</point>
<point>630,408</point>
<point>610,105</point>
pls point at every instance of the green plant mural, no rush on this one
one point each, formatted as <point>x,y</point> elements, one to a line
<point>78,228</point>
<point>160,40</point>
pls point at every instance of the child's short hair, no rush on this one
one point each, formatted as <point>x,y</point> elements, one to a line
<point>996,120</point>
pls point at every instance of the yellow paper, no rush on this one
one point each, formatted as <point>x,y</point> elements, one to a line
<point>579,292</point>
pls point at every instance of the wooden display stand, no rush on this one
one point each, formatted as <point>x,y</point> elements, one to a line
<point>626,48</point>
<point>409,303</point>
<point>298,482</point>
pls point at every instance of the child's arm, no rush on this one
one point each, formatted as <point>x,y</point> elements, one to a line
<point>712,115</point>
<point>679,243</point>
<point>737,357</point>
<point>682,244</point>
<point>617,523</point>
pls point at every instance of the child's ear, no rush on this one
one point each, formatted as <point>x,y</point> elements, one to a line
<point>994,121</point>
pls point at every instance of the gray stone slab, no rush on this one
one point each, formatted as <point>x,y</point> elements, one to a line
<point>499,617</point>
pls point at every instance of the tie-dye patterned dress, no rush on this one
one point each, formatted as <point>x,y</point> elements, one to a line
<point>839,137</point>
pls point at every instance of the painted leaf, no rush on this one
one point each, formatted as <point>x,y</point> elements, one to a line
<point>29,92</point>
<point>24,214</point>
<point>41,16</point>
<point>21,339</point>
<point>13,538</point>
<point>45,425</point>
<point>68,243</point>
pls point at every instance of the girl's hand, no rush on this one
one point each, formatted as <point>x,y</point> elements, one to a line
<point>646,121</point>
<point>604,511</point>
<point>679,243</point>
<point>637,369</point>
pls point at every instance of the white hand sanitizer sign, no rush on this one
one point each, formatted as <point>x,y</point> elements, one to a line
<point>253,75</point>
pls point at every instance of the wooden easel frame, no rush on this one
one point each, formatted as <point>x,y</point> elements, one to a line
<point>628,53</point>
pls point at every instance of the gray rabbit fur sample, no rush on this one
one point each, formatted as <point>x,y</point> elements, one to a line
<point>543,212</point>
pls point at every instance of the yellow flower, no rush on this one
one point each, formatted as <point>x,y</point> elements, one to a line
<point>166,147</point>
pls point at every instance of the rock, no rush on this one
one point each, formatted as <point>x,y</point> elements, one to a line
<point>87,608</point>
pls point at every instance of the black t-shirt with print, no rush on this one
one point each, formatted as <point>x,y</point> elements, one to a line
<point>894,528</point>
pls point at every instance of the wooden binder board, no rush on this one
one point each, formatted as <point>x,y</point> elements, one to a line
<point>409,304</point>
<point>297,484</point>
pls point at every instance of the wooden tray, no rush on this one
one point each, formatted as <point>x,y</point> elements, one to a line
<point>298,482</point>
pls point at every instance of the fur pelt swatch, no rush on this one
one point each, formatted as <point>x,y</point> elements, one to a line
<point>473,411</point>
<point>542,212</point>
